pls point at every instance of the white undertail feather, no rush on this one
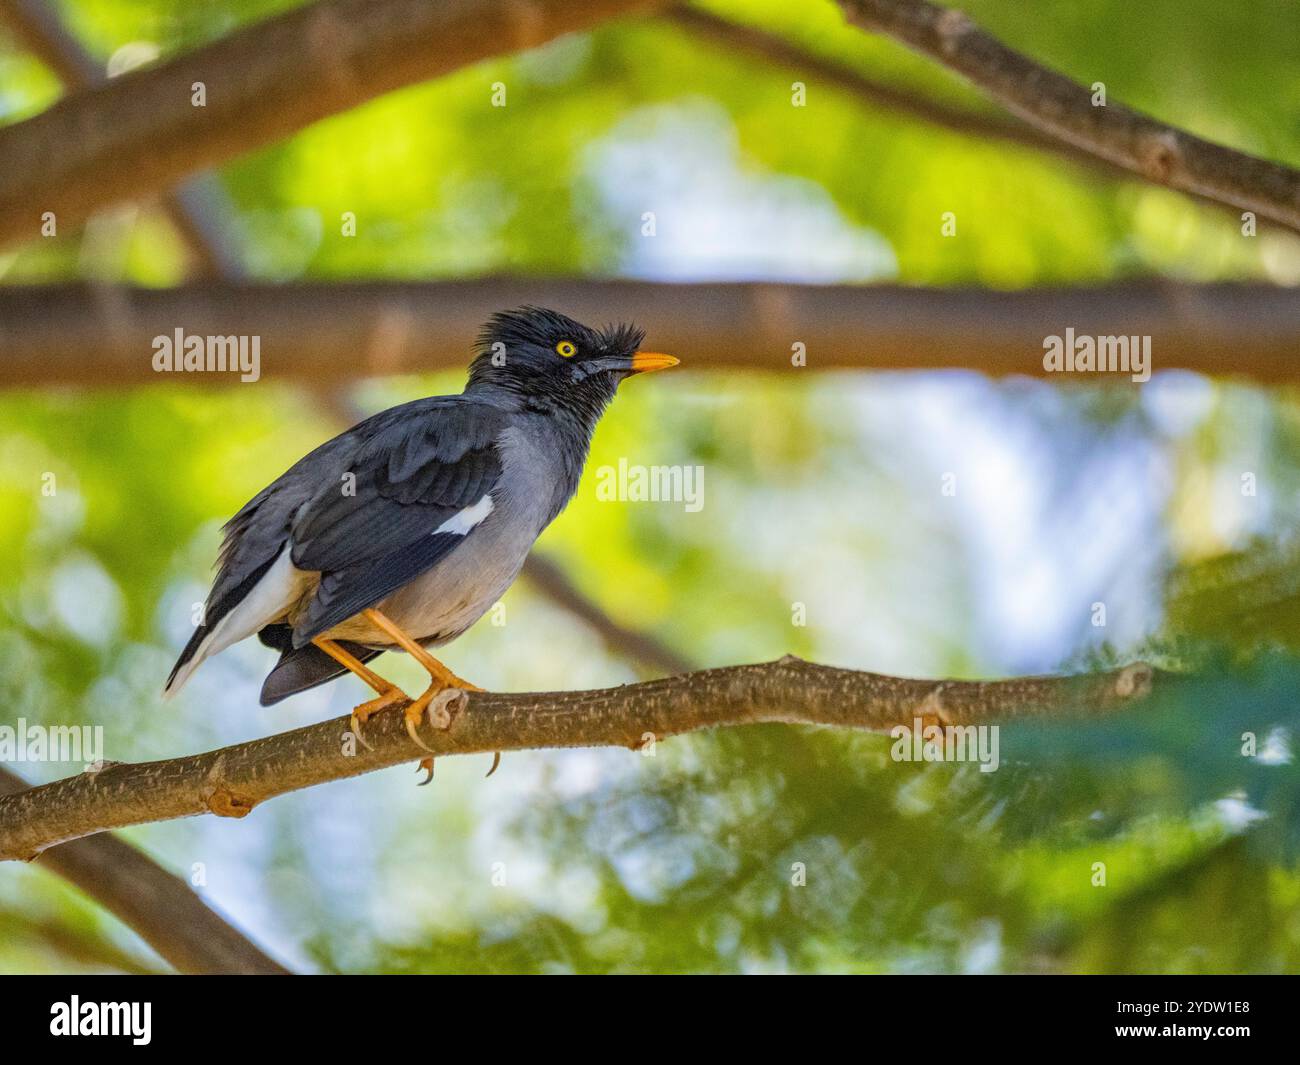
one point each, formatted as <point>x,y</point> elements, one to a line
<point>270,598</point>
<point>280,588</point>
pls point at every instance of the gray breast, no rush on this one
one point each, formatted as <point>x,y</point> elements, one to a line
<point>533,488</point>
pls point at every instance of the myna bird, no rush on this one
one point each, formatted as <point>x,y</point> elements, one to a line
<point>401,532</point>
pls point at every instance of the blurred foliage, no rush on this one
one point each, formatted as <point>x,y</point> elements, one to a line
<point>1245,597</point>
<point>442,183</point>
<point>822,493</point>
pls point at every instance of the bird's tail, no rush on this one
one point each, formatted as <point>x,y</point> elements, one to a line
<point>189,661</point>
<point>304,667</point>
<point>263,595</point>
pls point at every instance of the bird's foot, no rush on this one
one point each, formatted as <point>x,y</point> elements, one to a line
<point>454,681</point>
<point>442,702</point>
<point>464,685</point>
<point>364,711</point>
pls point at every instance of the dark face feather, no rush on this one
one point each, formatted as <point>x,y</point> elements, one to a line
<point>549,357</point>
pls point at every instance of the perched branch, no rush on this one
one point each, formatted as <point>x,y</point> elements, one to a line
<point>1158,152</point>
<point>200,209</point>
<point>98,336</point>
<point>157,906</point>
<point>232,781</point>
<point>141,133</point>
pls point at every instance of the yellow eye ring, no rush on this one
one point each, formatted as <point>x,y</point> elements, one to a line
<point>566,348</point>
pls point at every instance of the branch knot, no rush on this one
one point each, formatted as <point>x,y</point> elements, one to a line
<point>1159,155</point>
<point>218,797</point>
<point>951,27</point>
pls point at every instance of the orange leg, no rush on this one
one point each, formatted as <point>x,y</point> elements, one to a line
<point>440,676</point>
<point>436,669</point>
<point>388,692</point>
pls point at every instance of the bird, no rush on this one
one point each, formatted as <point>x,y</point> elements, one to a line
<point>402,531</point>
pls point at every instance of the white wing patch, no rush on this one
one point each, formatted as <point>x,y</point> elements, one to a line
<point>464,520</point>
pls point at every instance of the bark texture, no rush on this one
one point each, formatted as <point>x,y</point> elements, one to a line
<point>1048,100</point>
<point>232,781</point>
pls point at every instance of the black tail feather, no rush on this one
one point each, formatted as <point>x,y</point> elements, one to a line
<point>191,649</point>
<point>302,668</point>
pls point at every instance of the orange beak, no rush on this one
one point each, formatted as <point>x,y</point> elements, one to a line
<point>649,361</point>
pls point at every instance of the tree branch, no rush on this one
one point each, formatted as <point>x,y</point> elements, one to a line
<point>97,336</point>
<point>38,29</point>
<point>776,49</point>
<point>199,210</point>
<point>1160,153</point>
<point>139,135</point>
<point>158,906</point>
<point>962,121</point>
<point>76,945</point>
<point>232,781</point>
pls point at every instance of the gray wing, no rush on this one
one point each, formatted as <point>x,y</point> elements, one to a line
<point>256,534</point>
<point>371,533</point>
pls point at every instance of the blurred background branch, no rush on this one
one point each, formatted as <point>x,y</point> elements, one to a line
<point>155,904</point>
<point>872,91</point>
<point>142,133</point>
<point>899,99</point>
<point>343,330</point>
<point>272,78</point>
<point>199,209</point>
<point>1153,150</point>
<point>549,578</point>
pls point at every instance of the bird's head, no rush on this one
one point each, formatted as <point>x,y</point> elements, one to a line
<point>548,357</point>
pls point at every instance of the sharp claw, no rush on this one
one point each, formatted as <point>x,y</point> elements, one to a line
<point>496,761</point>
<point>355,724</point>
<point>363,712</point>
<point>411,722</point>
<point>427,765</point>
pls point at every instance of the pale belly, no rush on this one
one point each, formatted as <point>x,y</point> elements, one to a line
<point>435,608</point>
<point>441,604</point>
